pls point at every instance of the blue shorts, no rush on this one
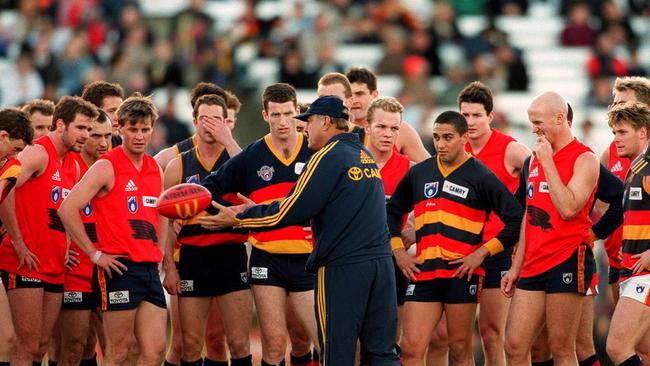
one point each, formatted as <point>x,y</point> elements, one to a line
<point>141,282</point>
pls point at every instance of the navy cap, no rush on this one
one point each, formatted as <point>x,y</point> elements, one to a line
<point>326,105</point>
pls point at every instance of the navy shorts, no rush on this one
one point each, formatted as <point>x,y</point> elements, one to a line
<point>572,275</point>
<point>13,281</point>
<point>78,300</point>
<point>496,267</point>
<point>446,290</point>
<point>141,282</point>
<point>614,275</point>
<point>282,270</point>
<point>213,270</point>
<point>401,283</point>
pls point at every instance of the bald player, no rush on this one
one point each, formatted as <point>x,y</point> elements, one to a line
<point>554,263</point>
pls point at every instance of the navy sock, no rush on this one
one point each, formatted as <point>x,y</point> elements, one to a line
<point>590,361</point>
<point>632,361</point>
<point>544,363</point>
<point>198,362</point>
<point>209,362</point>
<point>301,360</point>
<point>167,363</point>
<point>243,361</point>
<point>89,362</point>
<point>281,363</point>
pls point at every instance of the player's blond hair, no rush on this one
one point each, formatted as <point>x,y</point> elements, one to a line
<point>135,109</point>
<point>639,85</point>
<point>332,78</point>
<point>634,113</point>
<point>386,104</point>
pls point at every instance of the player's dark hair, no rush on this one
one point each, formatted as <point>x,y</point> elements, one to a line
<point>17,124</point>
<point>103,117</point>
<point>135,109</point>
<point>210,99</point>
<point>204,88</point>
<point>455,119</point>
<point>569,113</point>
<point>68,107</point>
<point>96,91</point>
<point>279,93</point>
<point>44,107</point>
<point>479,93</point>
<point>363,76</point>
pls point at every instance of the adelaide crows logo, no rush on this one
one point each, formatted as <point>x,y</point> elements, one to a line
<point>539,217</point>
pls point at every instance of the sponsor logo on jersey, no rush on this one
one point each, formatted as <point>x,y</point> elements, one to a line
<point>29,279</point>
<point>149,201</point>
<point>196,179</point>
<point>473,289</point>
<point>56,194</point>
<point>87,210</point>
<point>640,289</point>
<point>410,289</point>
<point>635,194</point>
<point>118,297</point>
<point>543,187</point>
<point>618,167</point>
<point>530,190</point>
<point>56,176</point>
<point>355,173</point>
<point>455,189</point>
<point>534,173</point>
<point>132,203</point>
<point>130,186</point>
<point>298,167</point>
<point>244,277</point>
<point>266,173</point>
<point>259,273</point>
<point>430,189</point>
<point>567,278</point>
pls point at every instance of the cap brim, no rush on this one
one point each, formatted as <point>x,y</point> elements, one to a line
<point>304,116</point>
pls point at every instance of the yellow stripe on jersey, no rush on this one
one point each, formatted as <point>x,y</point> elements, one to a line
<point>494,246</point>
<point>282,246</point>
<point>11,172</point>
<point>439,252</point>
<point>449,219</point>
<point>322,312</point>
<point>636,232</point>
<point>396,243</point>
<point>288,202</point>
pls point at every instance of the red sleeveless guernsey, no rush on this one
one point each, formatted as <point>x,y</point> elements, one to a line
<point>79,277</point>
<point>550,240</point>
<point>619,167</point>
<point>493,155</point>
<point>393,171</point>
<point>127,218</point>
<point>37,202</point>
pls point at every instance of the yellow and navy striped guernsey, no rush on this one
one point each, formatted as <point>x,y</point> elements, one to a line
<point>451,208</point>
<point>636,215</point>
<point>192,170</point>
<point>262,174</point>
<point>341,191</point>
<point>185,145</point>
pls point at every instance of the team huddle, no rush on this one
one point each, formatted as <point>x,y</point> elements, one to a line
<point>330,201</point>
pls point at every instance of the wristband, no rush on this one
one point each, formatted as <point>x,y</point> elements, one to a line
<point>95,257</point>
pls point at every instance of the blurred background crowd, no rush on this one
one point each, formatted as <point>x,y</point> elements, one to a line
<point>423,51</point>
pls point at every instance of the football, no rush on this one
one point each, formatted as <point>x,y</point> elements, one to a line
<point>184,201</point>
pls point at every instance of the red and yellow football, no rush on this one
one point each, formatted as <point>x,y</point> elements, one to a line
<point>184,201</point>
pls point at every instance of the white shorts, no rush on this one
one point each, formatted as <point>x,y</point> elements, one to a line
<point>637,288</point>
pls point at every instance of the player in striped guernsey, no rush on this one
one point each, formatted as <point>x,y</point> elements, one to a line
<point>630,324</point>
<point>212,264</point>
<point>452,195</point>
<point>265,171</point>
<point>626,89</point>
<point>15,133</point>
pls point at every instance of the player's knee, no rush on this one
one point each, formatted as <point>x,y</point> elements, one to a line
<point>191,342</point>
<point>459,349</point>
<point>562,348</point>
<point>492,337</point>
<point>412,347</point>
<point>514,347</point>
<point>616,350</point>
<point>239,346</point>
<point>7,337</point>
<point>153,355</point>
<point>74,346</point>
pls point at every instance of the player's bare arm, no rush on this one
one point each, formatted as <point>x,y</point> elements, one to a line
<point>410,144</point>
<point>172,282</point>
<point>569,200</point>
<point>509,280</point>
<point>99,179</point>
<point>165,156</point>
<point>33,161</point>
<point>516,154</point>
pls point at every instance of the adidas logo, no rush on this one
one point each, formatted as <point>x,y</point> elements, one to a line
<point>130,186</point>
<point>56,176</point>
<point>618,167</point>
<point>534,173</point>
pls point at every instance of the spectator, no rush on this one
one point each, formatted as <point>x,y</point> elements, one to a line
<point>395,51</point>
<point>292,71</point>
<point>21,84</point>
<point>422,44</point>
<point>603,61</point>
<point>578,30</point>
<point>74,64</point>
<point>515,68</point>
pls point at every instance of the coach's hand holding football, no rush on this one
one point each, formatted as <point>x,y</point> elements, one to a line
<point>227,216</point>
